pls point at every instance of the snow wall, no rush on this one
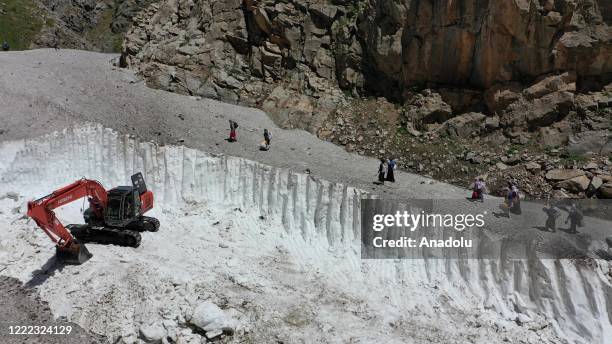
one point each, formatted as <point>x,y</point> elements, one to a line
<point>575,297</point>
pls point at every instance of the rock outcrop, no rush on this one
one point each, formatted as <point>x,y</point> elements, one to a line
<point>96,25</point>
<point>243,50</point>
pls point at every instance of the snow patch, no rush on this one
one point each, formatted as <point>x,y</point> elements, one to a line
<point>280,250</point>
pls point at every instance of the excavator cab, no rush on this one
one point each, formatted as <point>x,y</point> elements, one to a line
<point>124,203</point>
<point>123,206</point>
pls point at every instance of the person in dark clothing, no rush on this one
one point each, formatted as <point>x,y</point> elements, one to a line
<point>552,213</point>
<point>575,218</point>
<point>267,137</point>
<point>382,171</point>
<point>5,46</point>
<point>233,127</point>
<point>391,168</point>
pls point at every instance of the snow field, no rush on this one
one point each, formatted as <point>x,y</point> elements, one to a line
<point>278,250</point>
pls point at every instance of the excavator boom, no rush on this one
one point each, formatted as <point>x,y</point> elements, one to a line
<point>41,210</point>
<point>69,249</point>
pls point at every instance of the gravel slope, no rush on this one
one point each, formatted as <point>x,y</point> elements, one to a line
<point>46,90</point>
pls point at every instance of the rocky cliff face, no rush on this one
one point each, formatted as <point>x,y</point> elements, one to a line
<point>481,43</point>
<point>300,54</point>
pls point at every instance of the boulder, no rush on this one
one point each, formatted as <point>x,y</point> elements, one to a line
<point>554,83</point>
<point>552,137</point>
<point>605,190</point>
<point>593,101</point>
<point>152,333</point>
<point>549,109</point>
<point>323,14</point>
<point>590,141</point>
<point>575,185</point>
<point>563,174</point>
<point>533,166</point>
<point>492,123</point>
<point>513,160</point>
<point>465,125</point>
<point>428,108</point>
<point>560,194</point>
<point>498,97</point>
<point>596,182</point>
<point>605,177</point>
<point>262,20</point>
<point>501,166</point>
<point>211,319</point>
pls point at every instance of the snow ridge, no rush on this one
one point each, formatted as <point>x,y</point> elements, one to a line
<point>575,297</point>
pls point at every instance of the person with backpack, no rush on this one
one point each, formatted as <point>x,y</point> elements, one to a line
<point>392,164</point>
<point>574,217</point>
<point>233,127</point>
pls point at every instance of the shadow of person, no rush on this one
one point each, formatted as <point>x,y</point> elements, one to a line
<point>568,230</point>
<point>501,214</point>
<point>543,229</point>
<point>41,275</point>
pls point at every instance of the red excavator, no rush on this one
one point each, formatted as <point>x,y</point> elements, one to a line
<point>114,217</point>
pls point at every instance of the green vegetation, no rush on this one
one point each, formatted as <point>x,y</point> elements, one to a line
<point>571,157</point>
<point>20,22</point>
<point>101,35</point>
<point>401,130</point>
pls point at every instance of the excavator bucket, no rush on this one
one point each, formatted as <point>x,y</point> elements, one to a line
<point>77,253</point>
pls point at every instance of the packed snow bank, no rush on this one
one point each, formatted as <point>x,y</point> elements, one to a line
<point>280,250</point>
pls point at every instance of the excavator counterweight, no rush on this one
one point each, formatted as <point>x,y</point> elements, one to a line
<point>114,217</point>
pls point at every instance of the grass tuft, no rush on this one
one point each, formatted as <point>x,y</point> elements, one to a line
<point>20,23</point>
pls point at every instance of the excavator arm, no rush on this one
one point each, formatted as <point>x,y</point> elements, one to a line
<point>41,210</point>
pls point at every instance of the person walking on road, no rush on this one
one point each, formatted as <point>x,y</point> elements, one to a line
<point>267,137</point>
<point>475,190</point>
<point>482,187</point>
<point>5,46</point>
<point>478,189</point>
<point>508,200</point>
<point>552,213</point>
<point>516,199</point>
<point>575,219</point>
<point>233,127</point>
<point>390,170</point>
<point>383,168</point>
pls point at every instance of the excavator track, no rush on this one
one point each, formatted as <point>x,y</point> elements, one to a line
<point>105,235</point>
<point>146,224</point>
